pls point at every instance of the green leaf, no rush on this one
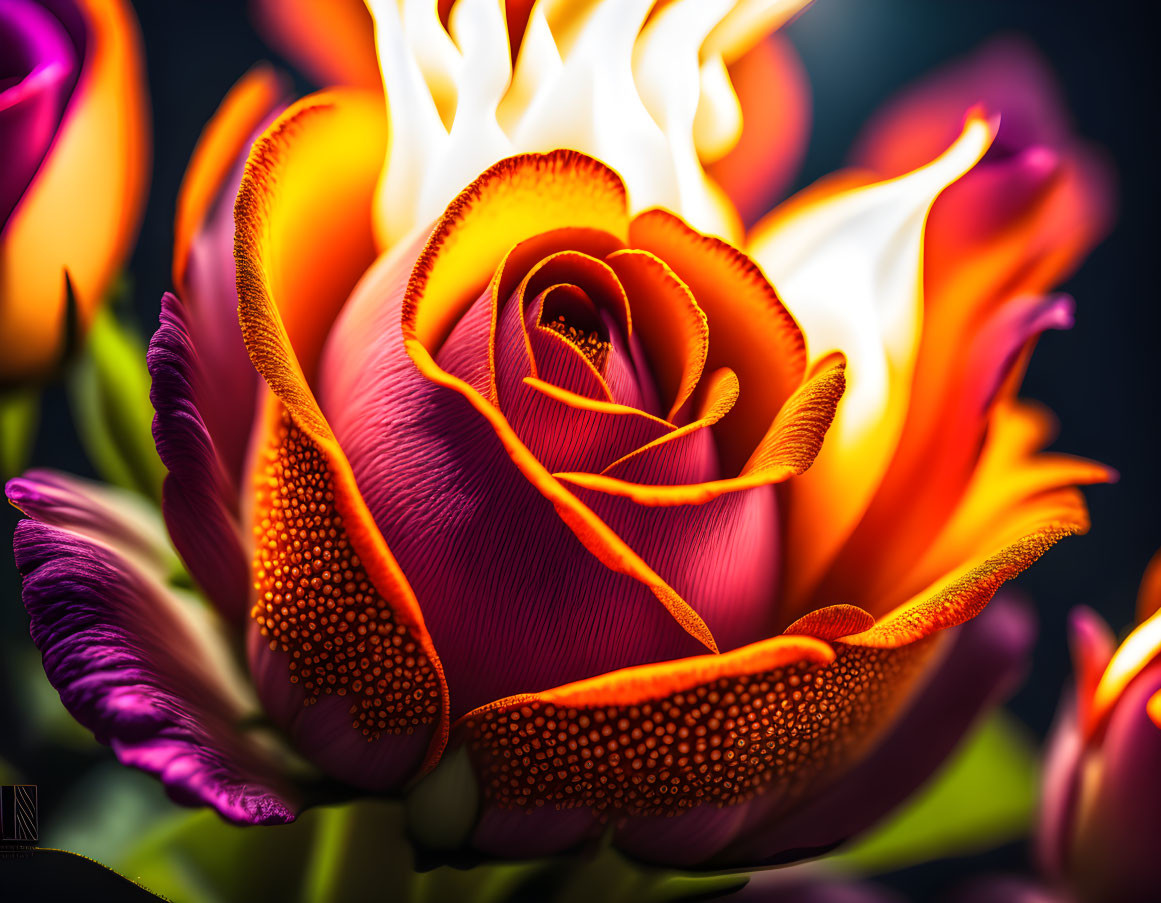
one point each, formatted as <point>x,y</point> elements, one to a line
<point>353,852</point>
<point>43,716</point>
<point>8,773</point>
<point>360,852</point>
<point>109,393</point>
<point>106,811</point>
<point>985,796</point>
<point>19,416</point>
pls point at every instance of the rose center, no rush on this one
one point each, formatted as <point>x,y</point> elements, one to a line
<point>573,316</point>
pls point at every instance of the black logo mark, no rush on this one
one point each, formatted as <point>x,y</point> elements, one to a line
<point>18,821</point>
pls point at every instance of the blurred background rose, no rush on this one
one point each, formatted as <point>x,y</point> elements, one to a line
<point>74,168</point>
<point>1100,816</point>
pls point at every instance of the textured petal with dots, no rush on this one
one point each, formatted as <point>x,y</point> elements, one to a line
<point>757,724</point>
<point>316,602</point>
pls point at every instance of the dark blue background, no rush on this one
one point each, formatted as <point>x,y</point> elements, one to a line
<point>1101,378</point>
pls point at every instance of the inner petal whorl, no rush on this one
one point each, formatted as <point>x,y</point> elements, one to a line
<point>569,313</point>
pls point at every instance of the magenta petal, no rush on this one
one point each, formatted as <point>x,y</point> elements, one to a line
<point>324,730</point>
<point>139,666</point>
<point>513,601</point>
<point>722,556</point>
<point>209,306</point>
<point>563,436</point>
<point>681,461</point>
<point>200,498</point>
<point>567,438</point>
<point>465,353</point>
<point>987,656</point>
<point>1008,332</point>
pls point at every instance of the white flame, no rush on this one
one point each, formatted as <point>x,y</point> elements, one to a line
<point>648,95</point>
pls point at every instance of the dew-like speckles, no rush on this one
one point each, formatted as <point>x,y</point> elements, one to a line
<point>722,742</point>
<point>316,603</point>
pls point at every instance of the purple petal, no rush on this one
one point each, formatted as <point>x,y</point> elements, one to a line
<point>137,664</point>
<point>200,499</point>
<point>38,73</point>
<point>1012,329</point>
<point>209,306</point>
<point>987,656</point>
<point>513,600</point>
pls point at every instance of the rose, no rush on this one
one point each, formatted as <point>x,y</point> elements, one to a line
<point>74,163</point>
<point>1101,802</point>
<point>422,501</point>
<point>1100,806</point>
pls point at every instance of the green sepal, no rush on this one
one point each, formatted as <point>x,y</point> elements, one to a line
<point>19,418</point>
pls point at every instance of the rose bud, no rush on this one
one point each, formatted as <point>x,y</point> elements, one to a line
<point>74,168</point>
<point>550,510</point>
<point>1101,811</point>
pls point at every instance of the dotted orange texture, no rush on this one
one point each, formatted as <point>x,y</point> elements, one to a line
<point>722,742</point>
<point>316,602</point>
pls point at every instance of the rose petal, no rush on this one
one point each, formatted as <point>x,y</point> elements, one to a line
<point>543,609</point>
<point>722,557</point>
<point>774,98</point>
<point>939,450</point>
<point>1006,75</point>
<point>688,741</point>
<point>302,457</point>
<point>787,450</point>
<point>984,661</point>
<point>203,264</point>
<point>846,261</point>
<point>40,69</point>
<point>200,497</point>
<point>333,40</point>
<point>673,329</point>
<point>310,176</point>
<point>1118,818</point>
<point>751,332</point>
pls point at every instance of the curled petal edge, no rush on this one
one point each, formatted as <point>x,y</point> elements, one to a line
<point>273,355</point>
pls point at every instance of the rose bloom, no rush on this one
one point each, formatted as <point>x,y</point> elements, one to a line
<point>1102,802</point>
<point>1100,808</point>
<point>74,167</point>
<point>556,515</point>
